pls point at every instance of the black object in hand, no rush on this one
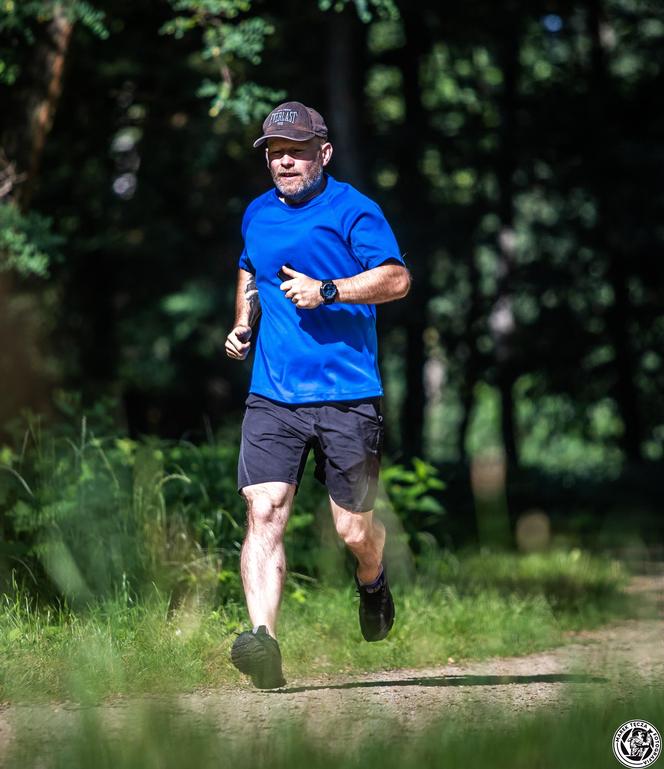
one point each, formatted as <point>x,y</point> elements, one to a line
<point>282,275</point>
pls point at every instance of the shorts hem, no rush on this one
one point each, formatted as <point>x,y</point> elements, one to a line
<point>350,508</point>
<point>270,479</point>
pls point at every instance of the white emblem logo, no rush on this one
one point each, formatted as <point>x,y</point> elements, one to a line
<point>637,744</point>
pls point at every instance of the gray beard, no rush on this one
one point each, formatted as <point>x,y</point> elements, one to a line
<point>306,186</point>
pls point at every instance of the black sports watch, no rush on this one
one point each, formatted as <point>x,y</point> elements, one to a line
<point>328,291</point>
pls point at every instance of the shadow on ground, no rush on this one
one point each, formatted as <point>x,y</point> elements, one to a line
<point>559,678</point>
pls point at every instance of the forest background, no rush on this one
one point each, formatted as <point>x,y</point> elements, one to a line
<point>514,147</point>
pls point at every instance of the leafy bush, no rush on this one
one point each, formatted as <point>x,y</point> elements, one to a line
<point>88,513</point>
<point>411,495</point>
<point>92,514</point>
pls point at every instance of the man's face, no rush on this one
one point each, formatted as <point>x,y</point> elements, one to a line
<point>297,167</point>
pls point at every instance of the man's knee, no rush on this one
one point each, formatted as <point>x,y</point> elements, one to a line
<point>261,511</point>
<point>267,509</point>
<point>354,529</point>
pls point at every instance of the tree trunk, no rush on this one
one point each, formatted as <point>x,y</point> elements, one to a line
<point>38,95</point>
<point>619,315</point>
<point>501,320</point>
<point>473,363</point>
<point>412,187</point>
<point>346,47</point>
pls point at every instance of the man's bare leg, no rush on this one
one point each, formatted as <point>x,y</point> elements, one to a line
<point>263,560</point>
<point>365,538</point>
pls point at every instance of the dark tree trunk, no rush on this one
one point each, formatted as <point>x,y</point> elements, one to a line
<point>620,314</point>
<point>473,364</point>
<point>24,126</point>
<point>618,321</point>
<point>346,53</point>
<point>412,187</point>
<point>501,320</point>
<point>38,94</point>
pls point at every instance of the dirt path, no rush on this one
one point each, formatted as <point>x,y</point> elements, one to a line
<point>610,660</point>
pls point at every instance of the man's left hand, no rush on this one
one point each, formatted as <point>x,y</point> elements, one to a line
<point>302,290</point>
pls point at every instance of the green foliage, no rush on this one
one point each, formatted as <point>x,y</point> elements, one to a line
<point>243,40</point>
<point>28,244</point>
<point>559,438</point>
<point>412,495</point>
<point>507,143</point>
<point>225,45</point>
<point>94,513</point>
<point>567,578</point>
<point>17,20</point>
<point>249,101</point>
<point>367,10</point>
<point>15,15</point>
<point>201,9</point>
<point>89,16</point>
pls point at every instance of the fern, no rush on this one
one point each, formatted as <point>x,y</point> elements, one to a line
<point>27,242</point>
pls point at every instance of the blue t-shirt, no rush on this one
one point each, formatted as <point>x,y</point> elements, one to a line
<point>329,353</point>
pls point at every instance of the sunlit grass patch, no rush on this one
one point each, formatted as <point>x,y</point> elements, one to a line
<point>129,645</point>
<point>564,576</point>
<point>432,627</point>
<point>111,647</point>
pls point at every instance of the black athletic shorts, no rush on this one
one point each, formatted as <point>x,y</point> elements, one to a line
<point>346,436</point>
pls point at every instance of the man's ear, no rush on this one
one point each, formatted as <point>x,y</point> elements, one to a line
<point>267,158</point>
<point>326,152</point>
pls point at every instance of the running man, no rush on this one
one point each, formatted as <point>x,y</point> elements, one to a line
<point>317,257</point>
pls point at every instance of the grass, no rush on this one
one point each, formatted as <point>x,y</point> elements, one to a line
<point>565,577</point>
<point>577,736</point>
<point>472,607</point>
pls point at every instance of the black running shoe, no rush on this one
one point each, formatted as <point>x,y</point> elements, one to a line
<point>257,654</point>
<point>376,610</point>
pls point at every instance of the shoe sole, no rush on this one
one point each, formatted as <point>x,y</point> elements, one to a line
<point>249,657</point>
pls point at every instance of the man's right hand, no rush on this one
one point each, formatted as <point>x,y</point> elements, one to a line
<point>237,342</point>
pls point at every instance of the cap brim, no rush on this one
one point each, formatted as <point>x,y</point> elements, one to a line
<point>302,136</point>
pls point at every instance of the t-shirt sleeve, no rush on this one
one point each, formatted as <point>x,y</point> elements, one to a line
<point>372,239</point>
<point>244,262</point>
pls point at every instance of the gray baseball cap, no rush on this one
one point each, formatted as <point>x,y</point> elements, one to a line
<point>293,120</point>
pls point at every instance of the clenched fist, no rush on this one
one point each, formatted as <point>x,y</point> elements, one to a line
<point>237,342</point>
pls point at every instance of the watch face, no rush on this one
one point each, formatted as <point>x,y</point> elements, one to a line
<point>329,290</point>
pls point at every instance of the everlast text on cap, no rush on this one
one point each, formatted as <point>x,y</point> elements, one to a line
<point>293,120</point>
